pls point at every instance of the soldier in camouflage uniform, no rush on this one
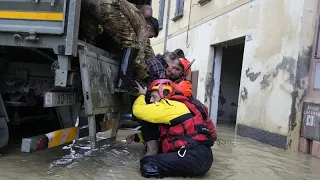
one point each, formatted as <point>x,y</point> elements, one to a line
<point>125,23</point>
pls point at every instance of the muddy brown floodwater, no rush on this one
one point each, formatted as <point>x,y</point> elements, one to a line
<point>238,159</point>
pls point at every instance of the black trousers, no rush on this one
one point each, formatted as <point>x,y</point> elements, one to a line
<point>149,131</point>
<point>196,162</point>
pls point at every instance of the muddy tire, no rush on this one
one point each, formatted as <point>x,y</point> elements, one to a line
<point>4,135</point>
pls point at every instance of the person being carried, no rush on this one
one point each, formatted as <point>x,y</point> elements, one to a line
<point>183,88</point>
<point>185,137</point>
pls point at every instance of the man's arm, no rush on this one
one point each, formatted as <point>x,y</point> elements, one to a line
<point>148,51</point>
<point>148,112</point>
<point>161,112</point>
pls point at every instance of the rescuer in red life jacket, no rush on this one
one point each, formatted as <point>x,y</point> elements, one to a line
<point>184,135</point>
<point>184,88</point>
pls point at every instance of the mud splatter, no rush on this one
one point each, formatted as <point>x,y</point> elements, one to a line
<point>244,93</point>
<point>265,81</point>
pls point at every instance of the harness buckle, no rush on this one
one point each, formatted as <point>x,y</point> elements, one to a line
<point>184,151</point>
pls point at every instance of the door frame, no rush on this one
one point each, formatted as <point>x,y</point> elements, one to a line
<point>216,85</point>
<point>217,65</point>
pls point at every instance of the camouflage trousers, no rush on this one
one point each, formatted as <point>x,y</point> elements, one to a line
<point>125,24</point>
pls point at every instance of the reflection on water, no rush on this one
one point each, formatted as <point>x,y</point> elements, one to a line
<point>239,158</point>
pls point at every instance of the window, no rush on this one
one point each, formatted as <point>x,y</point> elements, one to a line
<point>179,9</point>
<point>161,12</point>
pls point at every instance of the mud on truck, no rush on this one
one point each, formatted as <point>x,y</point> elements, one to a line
<point>49,75</point>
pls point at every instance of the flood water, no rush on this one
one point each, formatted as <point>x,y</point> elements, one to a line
<point>238,159</point>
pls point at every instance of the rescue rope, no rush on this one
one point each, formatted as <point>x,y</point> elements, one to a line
<point>221,142</point>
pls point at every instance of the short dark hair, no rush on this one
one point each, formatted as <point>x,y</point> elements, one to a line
<point>169,56</point>
<point>179,53</point>
<point>145,7</point>
<point>154,23</point>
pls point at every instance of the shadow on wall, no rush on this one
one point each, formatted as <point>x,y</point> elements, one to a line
<point>232,58</point>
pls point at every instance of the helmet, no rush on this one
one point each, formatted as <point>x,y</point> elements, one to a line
<point>185,63</point>
<point>164,86</point>
<point>184,87</point>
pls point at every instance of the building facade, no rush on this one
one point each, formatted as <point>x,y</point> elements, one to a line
<point>252,60</point>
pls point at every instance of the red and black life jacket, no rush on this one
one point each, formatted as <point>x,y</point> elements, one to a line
<point>187,131</point>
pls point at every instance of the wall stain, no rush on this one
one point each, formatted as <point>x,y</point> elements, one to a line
<point>300,85</point>
<point>265,81</point>
<point>303,66</point>
<point>209,88</point>
<point>244,94</point>
<point>292,117</point>
<point>251,75</point>
<point>287,64</point>
<point>289,144</point>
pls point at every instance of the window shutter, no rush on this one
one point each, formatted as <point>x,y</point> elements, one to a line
<point>179,7</point>
<point>161,12</point>
<point>181,4</point>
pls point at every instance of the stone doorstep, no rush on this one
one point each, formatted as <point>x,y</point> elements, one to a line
<point>309,147</point>
<point>304,145</point>
<point>315,150</point>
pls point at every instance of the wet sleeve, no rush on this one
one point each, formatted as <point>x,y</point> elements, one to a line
<point>153,113</point>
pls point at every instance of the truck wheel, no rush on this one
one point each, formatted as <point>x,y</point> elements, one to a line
<point>4,135</point>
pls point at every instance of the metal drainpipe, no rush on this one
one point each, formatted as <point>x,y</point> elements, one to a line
<point>167,27</point>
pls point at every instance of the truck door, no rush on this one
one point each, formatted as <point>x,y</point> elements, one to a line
<point>99,74</point>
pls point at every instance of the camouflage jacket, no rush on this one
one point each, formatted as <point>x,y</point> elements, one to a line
<point>124,22</point>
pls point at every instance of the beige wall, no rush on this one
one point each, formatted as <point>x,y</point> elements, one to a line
<point>278,54</point>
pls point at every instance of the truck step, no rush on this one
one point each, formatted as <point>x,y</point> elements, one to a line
<point>49,140</point>
<point>59,137</point>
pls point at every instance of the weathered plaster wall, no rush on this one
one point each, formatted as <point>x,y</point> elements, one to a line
<point>276,60</point>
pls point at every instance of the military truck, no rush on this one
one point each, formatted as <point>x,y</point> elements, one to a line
<point>46,72</point>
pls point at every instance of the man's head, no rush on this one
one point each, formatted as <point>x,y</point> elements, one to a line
<point>174,70</point>
<point>146,11</point>
<point>153,26</point>
<point>179,53</point>
<point>161,88</point>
